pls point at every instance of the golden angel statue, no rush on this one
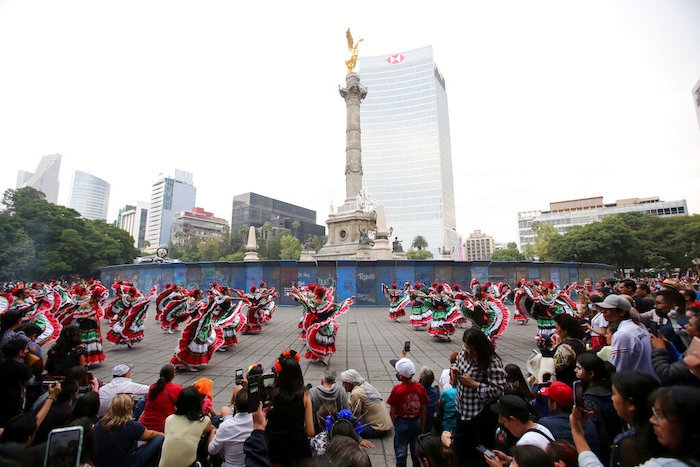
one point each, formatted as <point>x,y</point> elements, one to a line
<point>352,48</point>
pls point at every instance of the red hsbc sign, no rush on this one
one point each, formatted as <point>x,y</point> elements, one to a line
<point>395,59</point>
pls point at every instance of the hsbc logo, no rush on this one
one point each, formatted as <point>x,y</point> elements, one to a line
<point>395,59</point>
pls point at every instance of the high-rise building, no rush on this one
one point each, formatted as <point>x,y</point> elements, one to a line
<point>89,195</point>
<point>406,153</point>
<point>252,209</point>
<point>196,224</point>
<point>44,178</point>
<point>169,194</point>
<point>696,99</point>
<point>478,246</point>
<point>133,219</point>
<point>563,215</point>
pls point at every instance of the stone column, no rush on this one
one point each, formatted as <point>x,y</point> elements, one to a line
<point>353,93</point>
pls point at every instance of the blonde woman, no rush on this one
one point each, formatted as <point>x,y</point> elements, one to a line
<point>116,435</point>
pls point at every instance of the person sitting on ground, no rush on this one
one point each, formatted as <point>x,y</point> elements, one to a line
<point>407,403</point>
<point>68,351</point>
<point>514,414</point>
<point>61,411</point>
<point>426,378</point>
<point>256,369</point>
<point>87,406</point>
<point>160,402</point>
<point>116,435</point>
<point>183,430</point>
<point>204,386</point>
<point>367,405</point>
<point>22,427</point>
<point>233,432</point>
<point>341,423</point>
<point>328,394</point>
<point>561,400</point>
<point>433,453</point>
<point>15,376</point>
<point>343,450</point>
<point>562,453</point>
<point>121,384</point>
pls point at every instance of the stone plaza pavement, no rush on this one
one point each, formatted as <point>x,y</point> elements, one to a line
<point>367,340</point>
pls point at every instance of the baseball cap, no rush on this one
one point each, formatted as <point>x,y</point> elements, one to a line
<point>560,393</point>
<point>615,301</point>
<point>511,405</point>
<point>121,369</point>
<point>405,368</point>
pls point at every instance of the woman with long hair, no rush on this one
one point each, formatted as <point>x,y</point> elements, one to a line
<point>116,435</point>
<point>68,351</point>
<point>184,429</point>
<point>290,422</point>
<point>433,453</point>
<point>480,378</point>
<point>568,345</point>
<point>88,316</point>
<point>161,398</point>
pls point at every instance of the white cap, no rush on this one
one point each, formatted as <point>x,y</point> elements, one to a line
<point>121,369</point>
<point>405,368</point>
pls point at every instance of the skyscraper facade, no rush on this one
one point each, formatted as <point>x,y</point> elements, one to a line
<point>478,246</point>
<point>133,219</point>
<point>169,194</point>
<point>89,195</point>
<point>406,153</point>
<point>44,178</point>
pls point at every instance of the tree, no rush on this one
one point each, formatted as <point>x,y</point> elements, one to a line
<point>512,246</point>
<point>418,254</point>
<point>509,254</point>
<point>318,242</point>
<point>266,229</point>
<point>544,233</point>
<point>295,225</point>
<point>419,243</point>
<point>291,247</point>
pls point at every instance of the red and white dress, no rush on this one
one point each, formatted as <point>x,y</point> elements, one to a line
<point>200,338</point>
<point>128,329</point>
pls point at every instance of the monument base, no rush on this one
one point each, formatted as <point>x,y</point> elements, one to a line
<point>344,229</point>
<point>382,249</point>
<point>307,255</point>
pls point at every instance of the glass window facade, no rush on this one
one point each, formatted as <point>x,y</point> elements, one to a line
<point>406,154</point>
<point>89,195</point>
<point>168,196</point>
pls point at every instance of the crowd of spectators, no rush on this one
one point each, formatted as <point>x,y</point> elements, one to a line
<point>625,391</point>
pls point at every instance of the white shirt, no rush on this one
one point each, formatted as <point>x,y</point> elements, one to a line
<point>631,348</point>
<point>445,380</point>
<point>599,322</point>
<point>119,385</point>
<point>532,438</point>
<point>230,437</point>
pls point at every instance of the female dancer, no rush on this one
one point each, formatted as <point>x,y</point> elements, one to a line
<point>36,311</point>
<point>176,311</point>
<point>268,305</point>
<point>200,338</point>
<point>398,299</point>
<point>128,329</point>
<point>79,295</point>
<point>439,302</point>
<point>302,295</point>
<point>169,293</point>
<point>486,313</point>
<point>255,314</point>
<point>228,316</point>
<point>116,306</point>
<point>421,314</point>
<point>88,315</point>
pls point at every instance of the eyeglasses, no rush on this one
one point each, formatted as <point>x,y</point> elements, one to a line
<point>657,414</point>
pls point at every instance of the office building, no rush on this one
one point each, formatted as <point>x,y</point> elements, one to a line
<point>196,224</point>
<point>133,219</point>
<point>565,214</point>
<point>406,153</point>
<point>44,178</point>
<point>89,195</point>
<point>696,99</point>
<point>254,209</point>
<point>478,246</point>
<point>169,194</point>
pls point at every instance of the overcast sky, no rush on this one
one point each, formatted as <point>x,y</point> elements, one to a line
<point>548,100</point>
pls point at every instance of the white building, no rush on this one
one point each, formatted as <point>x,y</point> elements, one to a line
<point>169,194</point>
<point>133,219</point>
<point>478,246</point>
<point>406,153</point>
<point>44,178</point>
<point>565,214</point>
<point>89,195</point>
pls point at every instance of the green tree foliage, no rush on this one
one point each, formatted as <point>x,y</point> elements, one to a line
<point>40,240</point>
<point>509,254</point>
<point>318,242</point>
<point>418,254</point>
<point>419,243</point>
<point>544,234</point>
<point>290,247</point>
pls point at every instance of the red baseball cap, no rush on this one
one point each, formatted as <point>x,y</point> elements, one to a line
<point>560,393</point>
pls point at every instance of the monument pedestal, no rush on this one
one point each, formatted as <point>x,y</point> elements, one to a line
<point>307,255</point>
<point>382,247</point>
<point>344,234</point>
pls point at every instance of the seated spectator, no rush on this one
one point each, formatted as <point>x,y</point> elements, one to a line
<point>204,386</point>
<point>445,375</point>
<point>562,453</point>
<point>433,453</point>
<point>328,394</point>
<point>514,415</point>
<point>61,411</point>
<point>33,360</point>
<point>426,379</point>
<point>233,432</point>
<point>67,352</point>
<point>15,376</point>
<point>184,429</point>
<point>595,374</point>
<point>86,384</point>
<point>87,406</point>
<point>341,423</point>
<point>523,456</point>
<point>630,346</point>
<point>256,369</point>
<point>676,419</point>
<point>668,362</point>
<point>116,435</point>
<point>161,398</point>
<point>22,428</point>
<point>256,448</point>
<point>343,450</point>
<point>570,345</point>
<point>367,404</point>
<point>121,384</point>
<point>561,400</point>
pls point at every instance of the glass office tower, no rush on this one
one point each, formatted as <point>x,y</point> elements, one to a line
<point>89,195</point>
<point>406,154</point>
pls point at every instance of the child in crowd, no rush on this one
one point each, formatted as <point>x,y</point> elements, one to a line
<point>407,401</point>
<point>204,386</point>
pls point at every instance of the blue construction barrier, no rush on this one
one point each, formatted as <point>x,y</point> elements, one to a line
<point>363,279</point>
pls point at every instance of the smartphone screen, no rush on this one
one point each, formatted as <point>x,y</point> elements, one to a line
<point>239,376</point>
<point>578,394</point>
<point>64,446</point>
<point>268,382</point>
<point>407,346</point>
<point>487,452</point>
<point>253,395</point>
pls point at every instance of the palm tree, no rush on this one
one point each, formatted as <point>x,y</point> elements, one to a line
<point>419,242</point>
<point>267,228</point>
<point>295,225</point>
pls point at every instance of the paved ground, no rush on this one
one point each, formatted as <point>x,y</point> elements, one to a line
<point>367,339</point>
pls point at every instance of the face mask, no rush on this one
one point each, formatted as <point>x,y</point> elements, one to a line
<point>591,307</point>
<point>398,377</point>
